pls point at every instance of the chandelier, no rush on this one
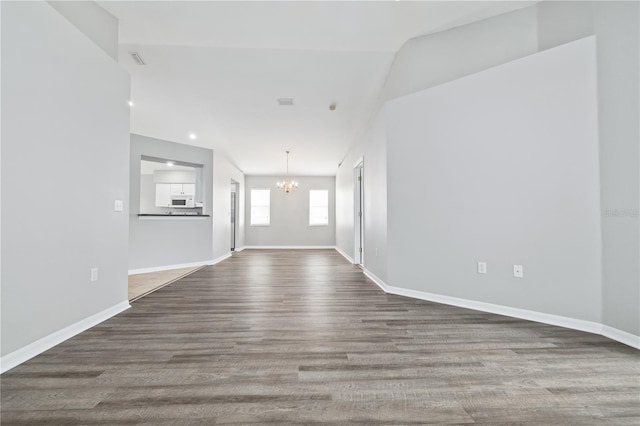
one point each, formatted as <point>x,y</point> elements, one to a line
<point>287,185</point>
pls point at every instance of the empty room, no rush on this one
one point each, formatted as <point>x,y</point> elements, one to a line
<point>320,212</point>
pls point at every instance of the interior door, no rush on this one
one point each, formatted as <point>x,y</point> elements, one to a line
<point>359,213</point>
<point>233,220</point>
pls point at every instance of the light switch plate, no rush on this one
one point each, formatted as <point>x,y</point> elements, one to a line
<point>482,267</point>
<point>118,205</point>
<point>518,271</point>
<point>94,274</point>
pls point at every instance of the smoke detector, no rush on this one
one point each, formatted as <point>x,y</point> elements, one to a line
<point>136,57</point>
<point>285,101</point>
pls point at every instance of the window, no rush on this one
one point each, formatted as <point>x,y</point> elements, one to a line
<point>318,207</point>
<point>260,207</point>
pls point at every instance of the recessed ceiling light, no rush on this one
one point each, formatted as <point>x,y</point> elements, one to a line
<point>130,103</point>
<point>170,163</point>
<point>192,136</point>
<point>285,101</point>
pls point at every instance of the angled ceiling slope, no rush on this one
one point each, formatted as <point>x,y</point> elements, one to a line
<point>216,69</point>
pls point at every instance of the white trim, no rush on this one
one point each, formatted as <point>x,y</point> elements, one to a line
<point>345,255</point>
<point>358,212</point>
<point>219,259</point>
<point>288,247</point>
<point>180,265</point>
<point>173,217</point>
<point>239,248</point>
<point>376,280</point>
<point>576,324</point>
<point>25,353</point>
<point>557,320</point>
<point>621,336</point>
<point>169,267</point>
<point>358,161</point>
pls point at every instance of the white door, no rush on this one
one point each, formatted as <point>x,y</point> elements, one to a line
<point>359,213</point>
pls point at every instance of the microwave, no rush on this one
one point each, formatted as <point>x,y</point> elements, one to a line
<point>182,201</point>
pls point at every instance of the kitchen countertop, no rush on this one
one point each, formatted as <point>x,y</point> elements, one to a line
<point>172,215</point>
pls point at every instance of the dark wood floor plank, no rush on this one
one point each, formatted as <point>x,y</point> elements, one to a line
<point>302,337</point>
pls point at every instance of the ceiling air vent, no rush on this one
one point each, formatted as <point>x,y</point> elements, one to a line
<point>285,101</point>
<point>136,57</point>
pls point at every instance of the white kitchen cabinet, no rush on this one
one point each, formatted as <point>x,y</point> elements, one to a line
<point>176,189</point>
<point>183,189</point>
<point>163,194</point>
<point>189,188</point>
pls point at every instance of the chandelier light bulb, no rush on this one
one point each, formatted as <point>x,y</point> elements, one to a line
<point>287,185</point>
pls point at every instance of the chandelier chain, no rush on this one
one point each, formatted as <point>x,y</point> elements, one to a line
<point>287,185</point>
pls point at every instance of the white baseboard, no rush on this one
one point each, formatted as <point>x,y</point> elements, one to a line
<point>239,248</point>
<point>179,265</point>
<point>23,354</point>
<point>582,325</point>
<point>376,280</point>
<point>288,247</point>
<point>345,255</point>
<point>621,336</point>
<point>169,267</point>
<point>218,260</point>
<point>557,320</point>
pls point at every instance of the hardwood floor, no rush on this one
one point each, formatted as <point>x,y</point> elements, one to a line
<point>142,284</point>
<point>302,337</point>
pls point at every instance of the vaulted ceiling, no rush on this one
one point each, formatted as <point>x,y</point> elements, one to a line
<point>216,69</point>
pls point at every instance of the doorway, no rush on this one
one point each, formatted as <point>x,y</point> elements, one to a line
<point>234,212</point>
<point>359,213</point>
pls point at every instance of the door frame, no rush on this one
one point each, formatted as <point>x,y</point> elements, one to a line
<point>358,210</point>
<point>234,213</point>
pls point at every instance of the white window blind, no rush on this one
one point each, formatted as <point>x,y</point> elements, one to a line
<point>260,207</point>
<point>318,207</point>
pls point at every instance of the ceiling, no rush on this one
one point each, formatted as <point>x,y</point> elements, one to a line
<point>147,167</point>
<point>216,69</point>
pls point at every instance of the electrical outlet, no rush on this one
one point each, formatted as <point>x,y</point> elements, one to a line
<point>118,205</point>
<point>94,274</point>
<point>482,267</point>
<point>518,271</point>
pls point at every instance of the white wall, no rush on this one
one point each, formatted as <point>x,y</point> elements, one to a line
<point>437,58</point>
<point>65,135</point>
<point>169,241</point>
<point>345,219</point>
<point>290,214</point>
<point>163,242</point>
<point>616,26</point>
<point>428,61</point>
<point>421,63</point>
<point>371,149</point>
<point>148,196</point>
<point>223,173</point>
<point>93,21</point>
<point>503,166</point>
